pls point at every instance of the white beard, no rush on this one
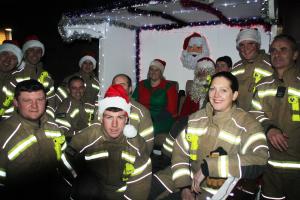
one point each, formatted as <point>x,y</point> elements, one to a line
<point>199,90</point>
<point>189,59</point>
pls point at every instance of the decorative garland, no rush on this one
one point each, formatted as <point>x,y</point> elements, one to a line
<point>137,57</point>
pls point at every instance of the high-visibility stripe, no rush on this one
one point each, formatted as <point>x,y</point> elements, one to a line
<point>253,138</point>
<point>147,131</point>
<point>134,116</point>
<point>294,92</point>
<point>9,110</point>
<point>230,138</point>
<point>45,84</point>
<point>67,164</point>
<point>181,172</point>
<point>63,122</point>
<point>262,72</point>
<point>186,144</point>
<point>284,164</point>
<point>62,92</point>
<point>256,104</point>
<point>197,131</point>
<point>140,169</point>
<point>74,113</point>
<point>238,72</point>
<point>169,142</point>
<point>13,133</point>
<point>122,189</point>
<point>167,148</point>
<point>275,198</point>
<point>50,91</point>
<point>265,93</point>
<point>7,92</point>
<point>97,155</point>
<point>20,79</point>
<point>21,147</point>
<point>126,156</point>
<point>89,110</point>
<point>223,166</point>
<point>95,86</point>
<point>295,118</point>
<point>2,173</point>
<point>50,112</point>
<point>52,134</point>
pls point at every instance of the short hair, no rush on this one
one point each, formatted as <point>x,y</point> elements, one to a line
<point>31,85</point>
<point>75,78</point>
<point>225,59</point>
<point>288,38</point>
<point>234,84</point>
<point>129,81</point>
<point>114,109</point>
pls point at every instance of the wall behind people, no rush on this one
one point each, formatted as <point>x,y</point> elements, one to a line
<point>168,45</point>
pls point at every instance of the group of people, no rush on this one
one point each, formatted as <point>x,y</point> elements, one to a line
<point>234,138</point>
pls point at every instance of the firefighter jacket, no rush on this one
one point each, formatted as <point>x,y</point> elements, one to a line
<point>276,103</point>
<point>140,118</point>
<point>92,88</point>
<point>29,150</point>
<point>121,165</point>
<point>6,96</point>
<point>73,115</point>
<point>235,131</point>
<point>38,73</point>
<point>248,75</point>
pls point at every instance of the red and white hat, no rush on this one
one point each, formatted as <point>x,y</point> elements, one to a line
<point>33,41</point>
<point>251,34</point>
<point>194,39</point>
<point>159,64</point>
<point>88,57</point>
<point>11,47</point>
<point>116,96</point>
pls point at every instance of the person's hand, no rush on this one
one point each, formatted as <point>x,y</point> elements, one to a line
<point>198,178</point>
<point>278,139</point>
<point>187,194</point>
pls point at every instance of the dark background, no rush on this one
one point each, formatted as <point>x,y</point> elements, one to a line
<point>41,18</point>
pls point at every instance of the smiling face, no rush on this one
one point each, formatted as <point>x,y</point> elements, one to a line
<point>114,122</point>
<point>8,61</point>
<point>87,66</point>
<point>77,89</point>
<point>31,105</point>
<point>154,73</point>
<point>221,95</point>
<point>248,49</point>
<point>33,55</point>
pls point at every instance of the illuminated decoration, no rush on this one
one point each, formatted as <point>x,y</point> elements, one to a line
<point>138,15</point>
<point>5,34</point>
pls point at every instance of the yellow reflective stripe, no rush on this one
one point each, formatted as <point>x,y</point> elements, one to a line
<point>2,173</point>
<point>50,112</point>
<point>265,93</point>
<point>122,189</point>
<point>256,105</point>
<point>62,92</point>
<point>285,164</point>
<point>20,79</point>
<point>45,84</point>
<point>169,141</point>
<point>186,144</point>
<point>230,138</point>
<point>63,122</point>
<point>295,118</point>
<point>95,86</point>
<point>197,131</point>
<point>253,138</point>
<point>67,164</point>
<point>223,166</point>
<point>50,91</point>
<point>7,92</point>
<point>134,116</point>
<point>262,72</point>
<point>74,113</point>
<point>21,146</point>
<point>64,146</point>
<point>294,92</point>
<point>238,72</point>
<point>103,154</point>
<point>89,110</point>
<point>167,148</point>
<point>180,172</point>
<point>140,169</point>
<point>52,134</point>
<point>147,132</point>
<point>126,156</point>
<point>9,110</point>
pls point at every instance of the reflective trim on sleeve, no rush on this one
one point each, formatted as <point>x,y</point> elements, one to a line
<point>197,131</point>
<point>265,93</point>
<point>294,92</point>
<point>181,172</point>
<point>230,138</point>
<point>20,79</point>
<point>67,164</point>
<point>122,189</point>
<point>95,86</point>
<point>50,112</point>
<point>284,164</point>
<point>256,104</point>
<point>21,147</point>
<point>253,138</point>
<point>134,116</point>
<point>7,92</point>
<point>126,156</point>
<point>63,122</point>
<point>167,148</point>
<point>103,154</point>
<point>74,113</point>
<point>62,92</point>
<point>263,72</point>
<point>147,131</point>
<point>141,169</point>
<point>52,134</point>
<point>51,90</point>
<point>238,72</point>
<point>275,198</point>
<point>2,173</point>
<point>186,144</point>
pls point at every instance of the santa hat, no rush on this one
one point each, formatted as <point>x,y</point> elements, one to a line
<point>251,34</point>
<point>88,56</point>
<point>159,64</point>
<point>116,96</point>
<point>194,39</point>
<point>33,41</point>
<point>206,64</point>
<point>9,46</point>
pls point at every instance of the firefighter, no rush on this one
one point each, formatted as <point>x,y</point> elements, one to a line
<point>10,58</point>
<point>112,159</point>
<point>33,51</point>
<point>31,147</point>
<point>253,66</point>
<point>220,145</point>
<point>276,106</point>
<point>87,65</point>
<point>72,114</point>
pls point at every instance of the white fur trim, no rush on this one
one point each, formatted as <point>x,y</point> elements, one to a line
<point>129,131</point>
<point>158,65</point>
<point>117,102</point>
<point>90,58</point>
<point>198,41</point>
<point>13,49</point>
<point>207,65</point>
<point>33,43</point>
<point>248,34</point>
